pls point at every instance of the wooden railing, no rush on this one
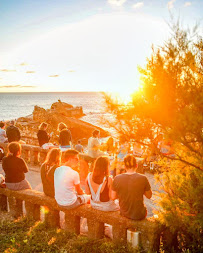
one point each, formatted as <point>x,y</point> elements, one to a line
<point>13,200</point>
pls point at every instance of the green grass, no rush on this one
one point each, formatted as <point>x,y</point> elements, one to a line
<point>26,236</point>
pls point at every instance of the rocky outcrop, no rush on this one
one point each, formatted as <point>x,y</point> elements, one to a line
<point>59,112</point>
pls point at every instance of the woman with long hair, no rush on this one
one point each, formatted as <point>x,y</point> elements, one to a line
<point>99,184</point>
<point>15,168</point>
<point>65,137</point>
<point>53,161</point>
<point>42,135</point>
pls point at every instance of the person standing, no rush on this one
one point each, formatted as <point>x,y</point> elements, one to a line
<point>68,191</point>
<point>65,137</point>
<point>3,137</point>
<point>13,132</point>
<point>94,145</point>
<point>129,188</point>
<point>42,135</point>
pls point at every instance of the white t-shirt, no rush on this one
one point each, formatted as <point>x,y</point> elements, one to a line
<point>93,149</point>
<point>65,180</point>
<point>2,135</point>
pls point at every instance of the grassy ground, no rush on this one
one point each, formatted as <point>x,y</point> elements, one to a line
<point>26,236</point>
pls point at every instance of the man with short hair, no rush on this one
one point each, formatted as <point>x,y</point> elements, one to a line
<point>94,145</point>
<point>13,132</point>
<point>130,187</point>
<point>68,191</point>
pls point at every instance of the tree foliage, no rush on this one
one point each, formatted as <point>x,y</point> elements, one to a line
<point>171,99</point>
<point>171,102</point>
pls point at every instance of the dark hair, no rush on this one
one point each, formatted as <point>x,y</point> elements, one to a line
<point>69,154</point>
<point>14,148</point>
<point>61,126</point>
<point>130,162</point>
<point>43,125</point>
<point>79,141</point>
<point>2,124</point>
<point>101,169</point>
<point>53,157</point>
<point>95,133</point>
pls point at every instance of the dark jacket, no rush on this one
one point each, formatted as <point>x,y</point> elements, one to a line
<point>43,137</point>
<point>13,133</point>
<point>65,137</point>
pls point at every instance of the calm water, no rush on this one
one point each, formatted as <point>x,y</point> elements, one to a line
<point>15,105</point>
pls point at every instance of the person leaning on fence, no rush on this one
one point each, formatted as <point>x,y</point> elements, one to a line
<point>129,188</point>
<point>65,137</point>
<point>99,184</point>
<point>53,161</point>
<point>68,191</point>
<point>42,135</point>
<point>15,168</point>
<point>13,132</point>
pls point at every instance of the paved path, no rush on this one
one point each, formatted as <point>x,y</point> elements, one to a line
<point>33,176</point>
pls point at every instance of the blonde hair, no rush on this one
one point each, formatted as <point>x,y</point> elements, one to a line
<point>61,126</point>
<point>43,125</point>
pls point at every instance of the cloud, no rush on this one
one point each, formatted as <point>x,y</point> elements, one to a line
<point>116,2</point>
<point>170,4</point>
<point>187,4</point>
<point>30,72</point>
<point>71,70</point>
<point>53,75</point>
<point>23,64</point>
<point>8,70</point>
<point>17,86</point>
<point>137,5</point>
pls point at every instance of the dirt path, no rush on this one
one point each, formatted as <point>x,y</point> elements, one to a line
<point>33,176</point>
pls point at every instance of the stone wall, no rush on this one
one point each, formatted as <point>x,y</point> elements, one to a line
<point>149,229</point>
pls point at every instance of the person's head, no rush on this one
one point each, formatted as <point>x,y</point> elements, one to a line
<point>2,124</point>
<point>95,133</point>
<point>101,169</point>
<point>53,157</point>
<point>79,142</point>
<point>12,122</point>
<point>61,126</point>
<point>14,148</point>
<point>43,126</point>
<point>130,162</point>
<point>71,158</point>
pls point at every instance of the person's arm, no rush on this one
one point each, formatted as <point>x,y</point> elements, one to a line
<point>87,189</point>
<point>113,192</point>
<point>148,194</point>
<point>79,189</point>
<point>24,166</point>
<point>148,191</point>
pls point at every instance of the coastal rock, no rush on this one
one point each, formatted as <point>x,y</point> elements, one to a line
<point>59,112</point>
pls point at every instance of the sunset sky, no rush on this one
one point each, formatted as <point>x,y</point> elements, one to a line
<point>92,45</point>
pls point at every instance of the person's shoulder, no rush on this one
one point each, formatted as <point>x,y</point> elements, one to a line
<point>118,177</point>
<point>5,158</point>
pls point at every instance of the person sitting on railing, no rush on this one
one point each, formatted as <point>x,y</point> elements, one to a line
<point>79,147</point>
<point>99,184</point>
<point>15,168</point>
<point>53,161</point>
<point>65,137</point>
<point>43,136</point>
<point>68,191</point>
<point>129,188</point>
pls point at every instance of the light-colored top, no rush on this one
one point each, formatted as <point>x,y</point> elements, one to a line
<point>65,180</point>
<point>2,135</point>
<point>95,196</point>
<point>93,147</point>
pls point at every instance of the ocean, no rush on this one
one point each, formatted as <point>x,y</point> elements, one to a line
<point>15,105</point>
